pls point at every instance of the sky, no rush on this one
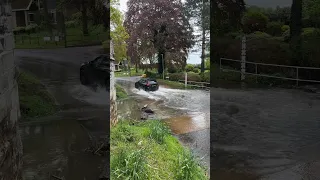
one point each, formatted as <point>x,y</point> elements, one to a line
<point>193,57</point>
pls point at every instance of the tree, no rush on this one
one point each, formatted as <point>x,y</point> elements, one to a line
<point>118,32</point>
<point>254,21</point>
<point>311,13</point>
<point>226,16</point>
<point>295,31</point>
<point>199,11</point>
<point>160,25</point>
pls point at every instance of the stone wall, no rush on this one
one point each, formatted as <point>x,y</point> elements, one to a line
<point>113,94</point>
<point>10,142</point>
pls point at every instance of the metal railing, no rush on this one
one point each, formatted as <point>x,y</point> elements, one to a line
<point>202,85</point>
<point>297,79</point>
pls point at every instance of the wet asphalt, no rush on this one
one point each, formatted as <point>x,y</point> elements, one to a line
<point>56,145</point>
<point>271,134</point>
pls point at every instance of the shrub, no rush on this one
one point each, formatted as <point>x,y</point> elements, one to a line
<point>32,28</point>
<point>172,69</point>
<point>205,77</point>
<point>196,70</point>
<point>274,28</point>
<point>180,76</point>
<point>151,74</point>
<point>286,35</point>
<point>284,28</point>
<point>254,21</point>
<point>71,24</point>
<point>189,67</point>
<point>19,30</point>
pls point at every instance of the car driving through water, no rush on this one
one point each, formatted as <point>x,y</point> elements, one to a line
<point>96,72</point>
<point>147,84</point>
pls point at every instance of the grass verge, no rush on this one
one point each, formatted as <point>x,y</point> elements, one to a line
<point>120,92</point>
<point>74,38</point>
<point>147,150</point>
<point>35,100</point>
<point>174,84</point>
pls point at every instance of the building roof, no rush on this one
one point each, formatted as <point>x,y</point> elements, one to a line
<point>21,4</point>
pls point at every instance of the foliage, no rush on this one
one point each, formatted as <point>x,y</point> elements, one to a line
<point>147,150</point>
<point>118,33</point>
<point>71,24</point>
<point>311,13</point>
<point>35,100</point>
<point>120,92</point>
<point>254,21</point>
<point>285,28</point>
<point>157,27</point>
<point>226,15</point>
<point>196,70</point>
<point>180,76</point>
<point>274,28</point>
<point>207,63</point>
<point>189,67</point>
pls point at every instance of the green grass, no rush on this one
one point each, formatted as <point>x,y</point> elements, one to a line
<point>174,84</point>
<point>75,37</point>
<point>35,100</point>
<point>120,92</point>
<point>147,150</point>
<point>132,73</point>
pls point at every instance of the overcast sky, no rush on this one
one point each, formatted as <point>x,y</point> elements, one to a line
<point>193,58</point>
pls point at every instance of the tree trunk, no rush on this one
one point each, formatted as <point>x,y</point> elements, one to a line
<point>161,61</point>
<point>47,18</point>
<point>295,31</point>
<point>84,18</point>
<point>203,38</point>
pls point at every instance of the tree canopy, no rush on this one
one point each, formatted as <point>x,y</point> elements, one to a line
<point>118,32</point>
<point>157,27</point>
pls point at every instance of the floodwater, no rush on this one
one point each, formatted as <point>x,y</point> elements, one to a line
<point>187,112</point>
<point>269,134</point>
<point>56,145</point>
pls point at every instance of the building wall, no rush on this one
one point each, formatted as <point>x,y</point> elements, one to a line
<point>10,142</point>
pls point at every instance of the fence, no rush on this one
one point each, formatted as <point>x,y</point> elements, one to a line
<point>256,73</point>
<point>202,85</point>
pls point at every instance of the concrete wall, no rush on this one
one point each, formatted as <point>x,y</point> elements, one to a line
<point>10,142</point>
<point>113,94</point>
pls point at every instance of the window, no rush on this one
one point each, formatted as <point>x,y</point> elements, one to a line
<point>31,17</point>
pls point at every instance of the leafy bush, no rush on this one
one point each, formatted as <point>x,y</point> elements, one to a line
<point>189,67</point>
<point>173,69</point>
<point>274,28</point>
<point>180,76</point>
<point>71,24</point>
<point>254,21</point>
<point>32,28</point>
<point>285,28</point>
<point>196,70</point>
<point>286,35</point>
<point>151,74</point>
<point>19,30</point>
<point>205,77</point>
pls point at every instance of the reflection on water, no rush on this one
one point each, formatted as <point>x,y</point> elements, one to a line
<point>57,148</point>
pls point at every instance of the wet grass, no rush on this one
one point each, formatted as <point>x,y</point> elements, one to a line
<point>147,150</point>
<point>35,100</point>
<point>120,92</point>
<point>174,84</point>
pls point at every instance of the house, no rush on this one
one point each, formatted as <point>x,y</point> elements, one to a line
<point>26,12</point>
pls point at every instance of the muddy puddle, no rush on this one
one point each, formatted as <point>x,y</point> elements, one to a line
<point>187,113</point>
<point>57,148</point>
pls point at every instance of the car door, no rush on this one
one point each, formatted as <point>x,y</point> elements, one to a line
<point>98,69</point>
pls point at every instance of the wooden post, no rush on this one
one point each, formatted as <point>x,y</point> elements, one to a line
<point>243,58</point>
<point>186,80</point>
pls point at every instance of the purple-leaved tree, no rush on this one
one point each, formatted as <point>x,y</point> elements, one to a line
<point>158,26</point>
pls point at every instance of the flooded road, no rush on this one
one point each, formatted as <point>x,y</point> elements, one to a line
<point>270,134</point>
<point>187,112</point>
<point>57,145</point>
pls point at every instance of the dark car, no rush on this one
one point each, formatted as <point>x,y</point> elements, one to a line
<point>96,72</point>
<point>147,84</point>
